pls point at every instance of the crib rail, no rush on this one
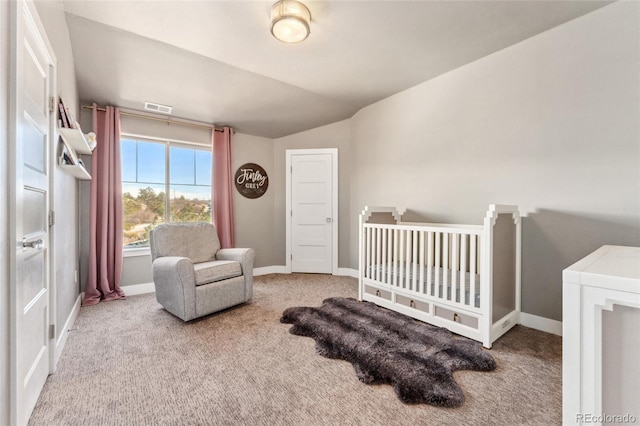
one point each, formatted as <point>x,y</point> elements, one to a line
<point>440,261</point>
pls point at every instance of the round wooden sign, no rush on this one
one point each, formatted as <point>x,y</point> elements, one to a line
<point>251,180</point>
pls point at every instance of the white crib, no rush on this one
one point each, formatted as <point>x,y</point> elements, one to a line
<point>462,277</point>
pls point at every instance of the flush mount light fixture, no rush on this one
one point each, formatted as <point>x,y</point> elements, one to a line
<point>290,21</point>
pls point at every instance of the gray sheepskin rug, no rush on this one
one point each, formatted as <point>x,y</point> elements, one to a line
<point>384,346</point>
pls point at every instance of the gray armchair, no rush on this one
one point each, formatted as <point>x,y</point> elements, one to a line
<point>193,276</point>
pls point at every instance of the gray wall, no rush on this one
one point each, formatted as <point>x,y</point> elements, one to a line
<point>550,124</point>
<point>254,218</point>
<point>65,191</point>
<point>336,135</point>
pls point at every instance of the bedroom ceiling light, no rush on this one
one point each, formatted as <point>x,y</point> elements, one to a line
<point>290,21</point>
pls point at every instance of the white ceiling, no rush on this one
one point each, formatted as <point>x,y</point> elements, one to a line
<point>215,61</point>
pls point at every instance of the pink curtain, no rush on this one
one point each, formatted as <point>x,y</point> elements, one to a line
<point>105,239</point>
<point>222,187</point>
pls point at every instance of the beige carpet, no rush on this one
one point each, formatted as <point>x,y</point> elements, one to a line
<point>129,362</point>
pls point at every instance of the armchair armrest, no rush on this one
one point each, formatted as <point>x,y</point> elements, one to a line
<point>175,283</point>
<point>246,257</point>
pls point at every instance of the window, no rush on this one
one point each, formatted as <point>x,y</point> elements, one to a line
<point>162,181</point>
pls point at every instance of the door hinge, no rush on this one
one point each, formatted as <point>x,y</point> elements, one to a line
<point>52,218</point>
<point>52,102</point>
<point>52,331</point>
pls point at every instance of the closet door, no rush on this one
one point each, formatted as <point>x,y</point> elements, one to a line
<point>313,225</point>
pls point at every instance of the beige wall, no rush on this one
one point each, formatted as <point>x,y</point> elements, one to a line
<point>336,135</point>
<point>65,190</point>
<point>550,124</point>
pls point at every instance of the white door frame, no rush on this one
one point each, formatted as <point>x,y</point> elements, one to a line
<point>334,199</point>
<point>16,11</point>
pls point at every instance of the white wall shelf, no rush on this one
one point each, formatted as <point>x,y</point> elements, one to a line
<point>74,138</point>
<point>76,170</point>
<point>74,143</point>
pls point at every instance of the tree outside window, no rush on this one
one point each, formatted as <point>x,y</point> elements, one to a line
<point>147,178</point>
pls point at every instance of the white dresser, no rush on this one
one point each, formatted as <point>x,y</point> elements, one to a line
<point>601,338</point>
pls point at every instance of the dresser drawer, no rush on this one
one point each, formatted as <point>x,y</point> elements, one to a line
<point>412,303</point>
<point>455,316</point>
<point>384,294</point>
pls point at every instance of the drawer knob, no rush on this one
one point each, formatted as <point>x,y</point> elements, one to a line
<point>412,304</point>
<point>378,293</point>
<point>455,317</point>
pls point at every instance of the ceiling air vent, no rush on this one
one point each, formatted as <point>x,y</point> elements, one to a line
<point>164,109</point>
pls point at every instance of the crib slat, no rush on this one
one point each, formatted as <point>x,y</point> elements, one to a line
<point>472,270</point>
<point>429,263</point>
<point>390,256</point>
<point>367,253</point>
<point>414,284</point>
<point>420,288</point>
<point>463,270</point>
<point>378,254</point>
<point>437,287</point>
<point>454,267</point>
<point>401,259</point>
<point>383,264</point>
<point>394,279</point>
<point>445,265</point>
<point>408,259</point>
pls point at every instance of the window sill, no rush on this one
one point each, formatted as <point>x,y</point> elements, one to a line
<point>135,252</point>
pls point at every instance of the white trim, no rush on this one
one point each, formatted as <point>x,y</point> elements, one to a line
<point>541,323</point>
<point>64,333</point>
<point>348,272</point>
<point>206,147</point>
<point>134,290</point>
<point>334,167</point>
<point>135,252</point>
<point>273,269</point>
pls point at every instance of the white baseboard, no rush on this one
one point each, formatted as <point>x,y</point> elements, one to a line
<point>134,290</point>
<point>281,269</point>
<point>348,272</point>
<point>64,331</point>
<point>265,270</point>
<point>541,323</point>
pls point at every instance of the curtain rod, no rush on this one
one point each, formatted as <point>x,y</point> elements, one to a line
<point>166,120</point>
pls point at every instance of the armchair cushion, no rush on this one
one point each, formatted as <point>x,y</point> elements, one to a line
<point>196,241</point>
<point>216,270</point>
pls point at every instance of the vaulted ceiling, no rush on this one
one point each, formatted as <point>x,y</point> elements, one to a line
<point>216,61</point>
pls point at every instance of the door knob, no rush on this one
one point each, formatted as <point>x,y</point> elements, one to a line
<point>329,220</point>
<point>37,244</point>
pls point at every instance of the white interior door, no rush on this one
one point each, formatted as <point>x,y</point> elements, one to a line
<point>33,67</point>
<point>312,212</point>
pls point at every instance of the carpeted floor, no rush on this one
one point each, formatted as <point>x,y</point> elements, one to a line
<point>129,362</point>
